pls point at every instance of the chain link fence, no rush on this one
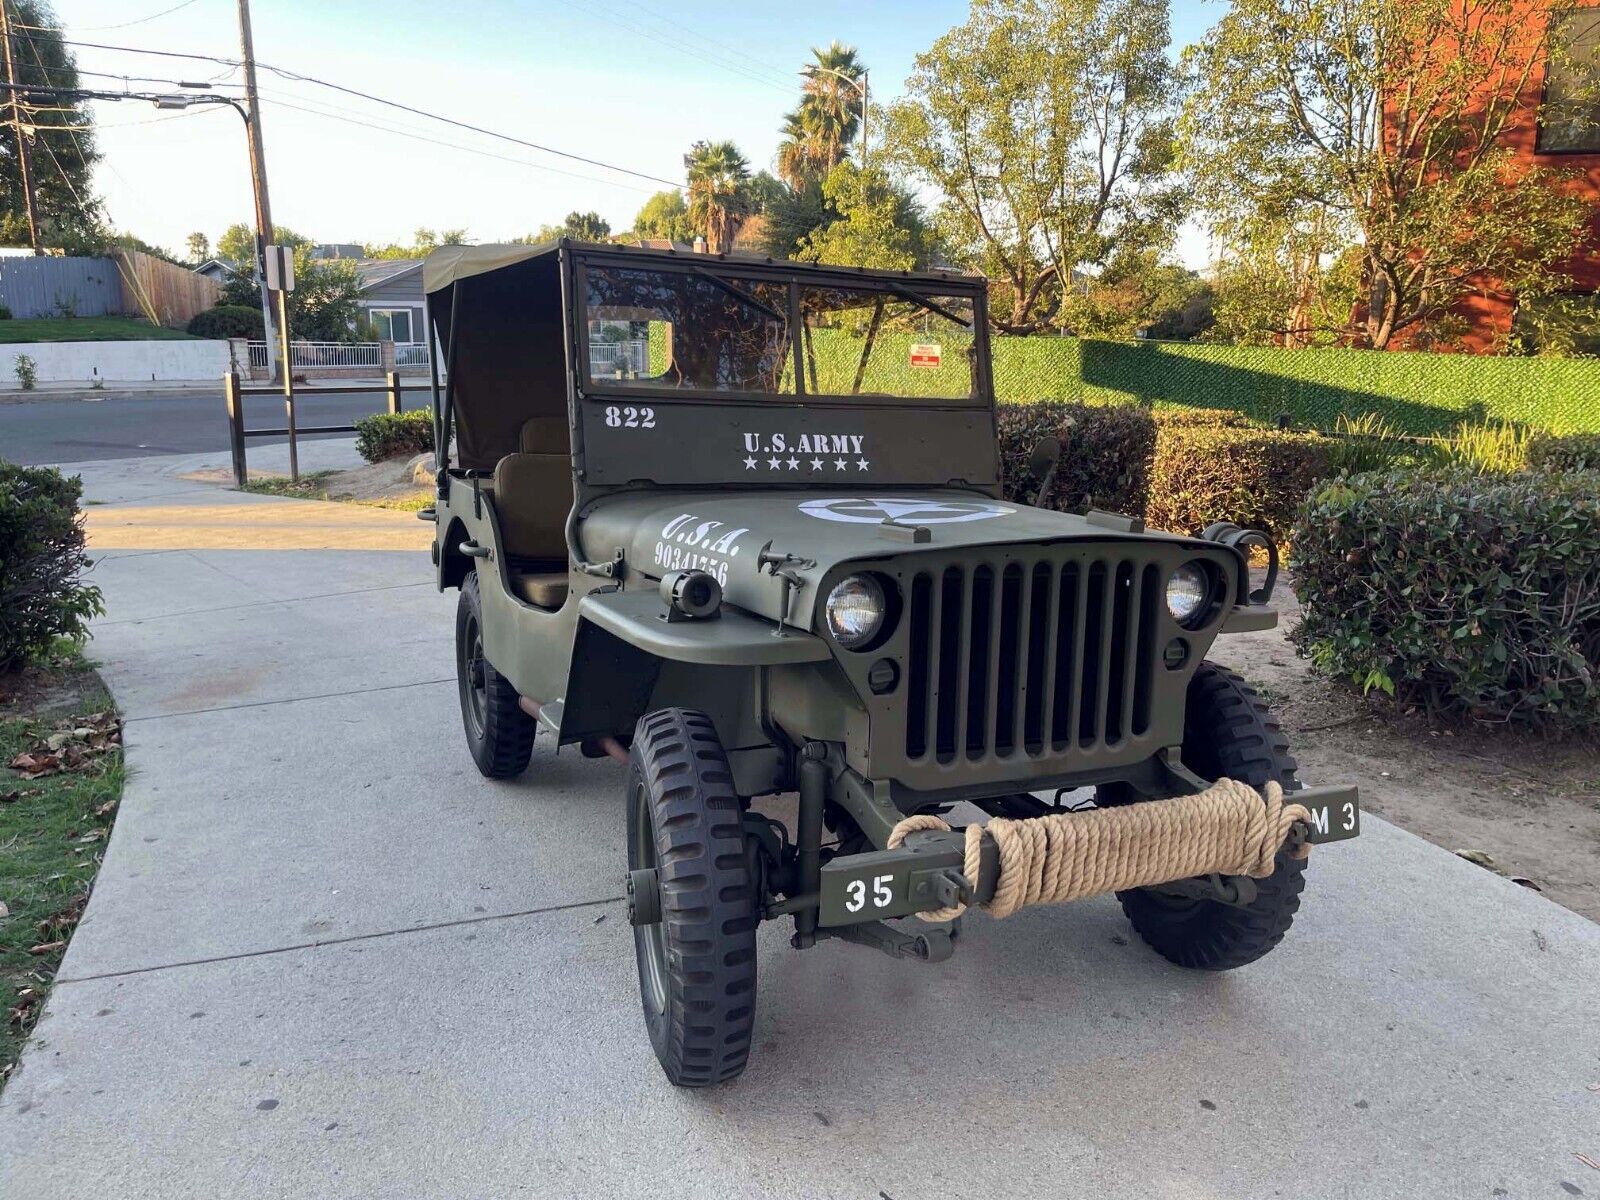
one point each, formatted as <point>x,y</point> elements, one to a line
<point>1418,394</point>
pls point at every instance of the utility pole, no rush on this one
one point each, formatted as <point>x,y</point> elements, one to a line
<point>258,180</point>
<point>16,125</point>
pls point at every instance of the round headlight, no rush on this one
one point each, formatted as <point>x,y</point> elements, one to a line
<point>855,611</point>
<point>1188,590</point>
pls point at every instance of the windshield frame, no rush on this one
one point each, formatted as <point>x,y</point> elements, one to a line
<point>733,272</point>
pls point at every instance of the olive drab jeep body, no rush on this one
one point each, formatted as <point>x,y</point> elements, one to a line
<point>739,525</point>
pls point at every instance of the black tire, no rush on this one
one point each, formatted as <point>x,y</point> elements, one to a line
<point>697,965</point>
<point>1228,731</point>
<point>499,733</point>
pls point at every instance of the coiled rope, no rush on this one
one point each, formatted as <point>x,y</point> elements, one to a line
<point>1228,829</point>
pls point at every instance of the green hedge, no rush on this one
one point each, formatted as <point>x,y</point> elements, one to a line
<point>1575,452</point>
<point>1105,455</point>
<point>42,559</point>
<point>1419,394</point>
<point>228,321</point>
<point>1252,477</point>
<point>1472,594</point>
<point>394,435</point>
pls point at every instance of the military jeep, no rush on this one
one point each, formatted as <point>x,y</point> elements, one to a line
<point>738,524</point>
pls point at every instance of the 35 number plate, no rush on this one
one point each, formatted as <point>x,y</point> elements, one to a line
<point>1335,812</point>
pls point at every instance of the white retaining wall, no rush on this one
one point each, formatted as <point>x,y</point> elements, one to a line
<point>116,362</point>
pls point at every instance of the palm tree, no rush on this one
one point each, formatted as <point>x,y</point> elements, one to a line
<point>831,108</point>
<point>719,200</point>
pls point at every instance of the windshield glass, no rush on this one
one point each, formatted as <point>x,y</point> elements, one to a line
<point>690,330</point>
<point>860,342</point>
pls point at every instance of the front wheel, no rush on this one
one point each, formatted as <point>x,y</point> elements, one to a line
<point>499,733</point>
<point>697,962</point>
<point>1228,732</point>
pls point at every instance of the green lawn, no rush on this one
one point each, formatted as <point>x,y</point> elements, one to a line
<point>52,835</point>
<point>86,329</point>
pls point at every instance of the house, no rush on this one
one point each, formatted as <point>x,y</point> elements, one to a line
<point>391,300</point>
<point>216,270</point>
<point>1564,136</point>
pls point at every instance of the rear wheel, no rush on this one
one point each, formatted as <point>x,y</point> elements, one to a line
<point>697,962</point>
<point>499,733</point>
<point>1228,732</point>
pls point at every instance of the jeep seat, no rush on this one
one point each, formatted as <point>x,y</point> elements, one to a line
<point>532,496</point>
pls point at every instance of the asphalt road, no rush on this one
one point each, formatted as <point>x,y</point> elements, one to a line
<point>59,430</point>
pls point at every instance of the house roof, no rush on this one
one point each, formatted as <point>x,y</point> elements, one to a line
<point>373,272</point>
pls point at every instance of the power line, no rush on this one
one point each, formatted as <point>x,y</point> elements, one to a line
<point>285,73</point>
<point>124,24</point>
<point>405,133</point>
<point>683,46</point>
<point>699,36</point>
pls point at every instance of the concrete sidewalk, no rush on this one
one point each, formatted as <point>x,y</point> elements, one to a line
<point>326,958</point>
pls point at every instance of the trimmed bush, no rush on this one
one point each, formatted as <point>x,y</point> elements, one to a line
<point>228,321</point>
<point>1477,595</point>
<point>394,435</point>
<point>1253,477</point>
<point>1211,418</point>
<point>1575,452</point>
<point>42,559</point>
<point>1105,454</point>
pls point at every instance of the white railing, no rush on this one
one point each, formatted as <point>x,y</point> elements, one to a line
<point>411,355</point>
<point>358,355</point>
<point>612,357</point>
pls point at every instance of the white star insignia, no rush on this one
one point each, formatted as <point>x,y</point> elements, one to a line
<point>794,464</point>
<point>774,463</point>
<point>862,464</point>
<point>749,464</point>
<point>816,464</point>
<point>839,464</point>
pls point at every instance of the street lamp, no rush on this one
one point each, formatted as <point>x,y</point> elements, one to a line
<point>860,86</point>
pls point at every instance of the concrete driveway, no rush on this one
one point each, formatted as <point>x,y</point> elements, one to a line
<point>326,958</point>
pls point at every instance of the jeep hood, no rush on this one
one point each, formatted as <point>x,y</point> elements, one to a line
<point>725,534</point>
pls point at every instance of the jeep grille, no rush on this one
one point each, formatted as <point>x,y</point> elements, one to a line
<point>1060,657</point>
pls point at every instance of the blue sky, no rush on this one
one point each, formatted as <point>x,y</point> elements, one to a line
<point>627,82</point>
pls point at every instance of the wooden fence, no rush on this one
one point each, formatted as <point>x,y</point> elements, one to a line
<point>128,283</point>
<point>162,292</point>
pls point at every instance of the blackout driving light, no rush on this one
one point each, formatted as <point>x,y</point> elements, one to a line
<point>855,611</point>
<point>1188,590</point>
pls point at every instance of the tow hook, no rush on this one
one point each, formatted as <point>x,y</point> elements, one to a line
<point>644,897</point>
<point>932,945</point>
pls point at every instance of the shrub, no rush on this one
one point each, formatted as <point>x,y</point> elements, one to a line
<point>1105,454</point>
<point>1367,443</point>
<point>5,312</point>
<point>27,372</point>
<point>1575,452</point>
<point>41,560</point>
<point>1254,477</point>
<point>1216,418</point>
<point>1473,594</point>
<point>228,321</point>
<point>391,435</point>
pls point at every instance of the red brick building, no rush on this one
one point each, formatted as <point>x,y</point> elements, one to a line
<point>1561,133</point>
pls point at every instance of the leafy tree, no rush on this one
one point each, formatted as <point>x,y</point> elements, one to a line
<point>1138,293</point>
<point>585,227</point>
<point>237,244</point>
<point>664,215</point>
<point>1045,126</point>
<point>1282,282</point>
<point>791,215</point>
<point>876,223</point>
<point>1384,120</point>
<point>60,140</point>
<point>719,200</point>
<point>322,307</point>
<point>199,246</point>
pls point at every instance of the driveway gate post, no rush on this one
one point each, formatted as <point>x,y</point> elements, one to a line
<point>395,403</point>
<point>230,389</point>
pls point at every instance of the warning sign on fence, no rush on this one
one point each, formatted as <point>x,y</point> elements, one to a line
<point>925,354</point>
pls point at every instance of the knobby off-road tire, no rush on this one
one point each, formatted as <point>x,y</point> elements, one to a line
<point>1228,731</point>
<point>697,965</point>
<point>499,733</point>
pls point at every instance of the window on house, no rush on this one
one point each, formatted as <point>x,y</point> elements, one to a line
<point>392,324</point>
<point>1569,118</point>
